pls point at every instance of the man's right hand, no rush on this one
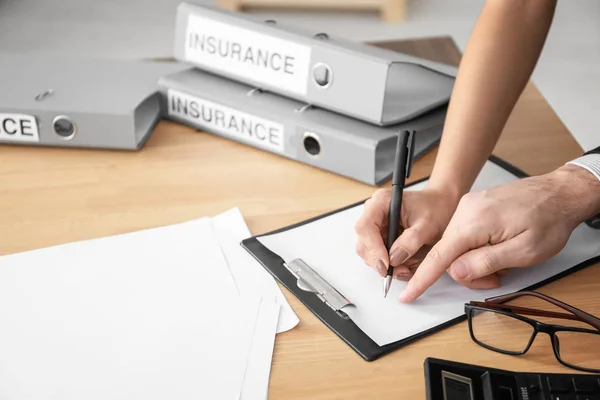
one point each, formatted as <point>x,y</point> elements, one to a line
<point>425,215</point>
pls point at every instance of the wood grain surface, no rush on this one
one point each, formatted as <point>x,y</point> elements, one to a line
<point>390,10</point>
<point>50,196</point>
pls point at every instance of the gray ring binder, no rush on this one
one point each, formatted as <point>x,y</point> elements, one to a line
<point>79,102</point>
<point>295,130</point>
<point>291,62</point>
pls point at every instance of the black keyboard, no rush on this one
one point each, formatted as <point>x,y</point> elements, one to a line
<point>447,380</point>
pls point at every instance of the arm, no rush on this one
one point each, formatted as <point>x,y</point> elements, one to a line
<point>497,63</point>
<point>514,225</point>
<point>501,54</point>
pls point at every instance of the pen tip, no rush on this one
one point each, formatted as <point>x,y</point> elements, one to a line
<point>387,282</point>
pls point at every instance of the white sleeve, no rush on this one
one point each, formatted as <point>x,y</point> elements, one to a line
<point>591,162</point>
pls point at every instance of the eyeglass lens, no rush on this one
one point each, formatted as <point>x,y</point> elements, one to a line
<point>500,331</point>
<point>507,333</point>
<point>580,349</point>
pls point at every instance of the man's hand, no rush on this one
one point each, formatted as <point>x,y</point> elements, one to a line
<point>425,215</point>
<point>515,225</point>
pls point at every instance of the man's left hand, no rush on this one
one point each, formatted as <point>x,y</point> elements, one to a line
<point>514,225</point>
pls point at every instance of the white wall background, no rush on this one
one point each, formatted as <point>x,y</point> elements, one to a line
<point>568,73</point>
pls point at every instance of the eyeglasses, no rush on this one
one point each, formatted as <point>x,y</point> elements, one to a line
<point>500,328</point>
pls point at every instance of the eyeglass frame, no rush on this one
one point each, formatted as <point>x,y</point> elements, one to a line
<point>495,304</point>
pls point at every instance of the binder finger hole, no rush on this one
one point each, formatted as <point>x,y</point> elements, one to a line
<point>322,75</point>
<point>64,127</point>
<point>312,144</point>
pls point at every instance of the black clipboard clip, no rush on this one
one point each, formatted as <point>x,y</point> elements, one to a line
<point>310,281</point>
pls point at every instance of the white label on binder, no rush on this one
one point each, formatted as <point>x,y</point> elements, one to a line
<point>247,54</point>
<point>232,123</point>
<point>18,128</point>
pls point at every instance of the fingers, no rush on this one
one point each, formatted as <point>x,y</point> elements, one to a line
<point>485,283</point>
<point>479,268</point>
<point>434,265</point>
<point>376,254</point>
<point>408,244</point>
<point>489,260</point>
<point>377,263</point>
<point>403,273</point>
<point>370,245</point>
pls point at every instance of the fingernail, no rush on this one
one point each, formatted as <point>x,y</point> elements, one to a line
<point>401,273</point>
<point>380,266</point>
<point>403,296</point>
<point>398,256</point>
<point>459,269</point>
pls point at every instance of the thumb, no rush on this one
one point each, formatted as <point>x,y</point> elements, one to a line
<point>408,244</point>
<point>487,260</point>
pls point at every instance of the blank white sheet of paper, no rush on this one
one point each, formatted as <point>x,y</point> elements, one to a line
<point>258,370</point>
<point>147,315</point>
<point>328,246</point>
<point>250,277</point>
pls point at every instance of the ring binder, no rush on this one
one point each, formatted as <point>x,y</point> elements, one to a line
<point>83,103</point>
<point>316,69</point>
<point>274,123</point>
<point>310,281</point>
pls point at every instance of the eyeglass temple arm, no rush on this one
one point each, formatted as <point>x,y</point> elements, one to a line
<point>525,310</point>
<point>579,314</point>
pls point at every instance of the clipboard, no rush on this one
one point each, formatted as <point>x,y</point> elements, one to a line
<point>323,305</point>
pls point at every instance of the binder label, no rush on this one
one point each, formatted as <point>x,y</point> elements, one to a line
<point>18,128</point>
<point>227,121</point>
<point>247,54</point>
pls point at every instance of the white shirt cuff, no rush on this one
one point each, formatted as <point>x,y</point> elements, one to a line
<point>591,162</point>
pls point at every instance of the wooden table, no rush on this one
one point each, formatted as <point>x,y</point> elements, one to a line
<point>390,10</point>
<point>52,196</point>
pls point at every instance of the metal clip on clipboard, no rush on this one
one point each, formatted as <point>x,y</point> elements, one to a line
<point>309,280</point>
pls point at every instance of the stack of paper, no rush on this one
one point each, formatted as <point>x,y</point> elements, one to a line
<point>173,312</point>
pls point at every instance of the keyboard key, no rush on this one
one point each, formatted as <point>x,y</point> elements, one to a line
<point>564,397</point>
<point>559,384</point>
<point>504,393</point>
<point>588,397</point>
<point>533,388</point>
<point>585,384</point>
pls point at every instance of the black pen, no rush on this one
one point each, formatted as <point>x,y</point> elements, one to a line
<point>402,166</point>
